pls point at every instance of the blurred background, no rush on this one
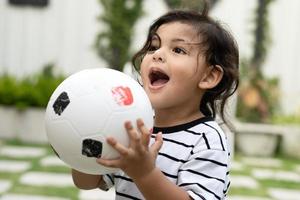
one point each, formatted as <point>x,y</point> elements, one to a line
<point>44,41</point>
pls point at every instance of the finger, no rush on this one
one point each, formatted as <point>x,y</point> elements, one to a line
<point>109,163</point>
<point>158,142</point>
<point>133,135</point>
<point>145,133</point>
<point>117,146</point>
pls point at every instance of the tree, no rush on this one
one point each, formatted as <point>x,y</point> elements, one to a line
<point>258,95</point>
<point>190,4</point>
<point>113,44</point>
<point>261,34</point>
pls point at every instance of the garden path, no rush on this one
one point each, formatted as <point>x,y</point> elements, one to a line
<point>33,172</point>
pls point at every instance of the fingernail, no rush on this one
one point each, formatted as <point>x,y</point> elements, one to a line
<point>128,125</point>
<point>160,134</point>
<point>110,140</point>
<point>140,122</point>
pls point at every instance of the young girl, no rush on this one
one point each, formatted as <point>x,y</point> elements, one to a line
<point>189,68</point>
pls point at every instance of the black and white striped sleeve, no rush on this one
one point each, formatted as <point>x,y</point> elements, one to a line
<point>109,182</point>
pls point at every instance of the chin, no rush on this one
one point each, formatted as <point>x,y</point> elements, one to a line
<point>158,104</point>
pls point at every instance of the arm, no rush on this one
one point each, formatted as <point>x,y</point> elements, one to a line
<point>86,181</point>
<point>138,162</point>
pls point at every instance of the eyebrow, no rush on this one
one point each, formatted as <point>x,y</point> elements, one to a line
<point>178,40</point>
<point>156,37</point>
<point>184,41</point>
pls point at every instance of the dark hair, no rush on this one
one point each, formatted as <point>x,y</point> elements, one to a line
<point>218,47</point>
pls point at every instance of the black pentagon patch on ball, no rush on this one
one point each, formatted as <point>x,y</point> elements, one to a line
<point>91,148</point>
<point>61,103</point>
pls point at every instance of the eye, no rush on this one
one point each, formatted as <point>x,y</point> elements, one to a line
<point>152,48</point>
<point>179,50</point>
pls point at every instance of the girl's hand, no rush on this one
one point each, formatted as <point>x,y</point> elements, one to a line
<point>138,159</point>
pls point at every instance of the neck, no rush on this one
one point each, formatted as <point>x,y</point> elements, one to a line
<point>172,117</point>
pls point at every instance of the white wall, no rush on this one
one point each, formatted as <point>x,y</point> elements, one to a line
<point>63,33</point>
<point>237,17</point>
<point>284,53</point>
<point>283,58</point>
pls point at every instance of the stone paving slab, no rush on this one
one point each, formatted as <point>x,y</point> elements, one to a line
<point>35,178</point>
<point>276,175</point>
<point>52,161</point>
<point>97,194</point>
<point>14,166</point>
<point>297,168</point>
<point>4,185</point>
<point>22,152</point>
<point>29,197</point>
<point>236,197</point>
<point>236,166</point>
<point>262,162</point>
<point>243,182</point>
<point>47,179</point>
<point>284,194</point>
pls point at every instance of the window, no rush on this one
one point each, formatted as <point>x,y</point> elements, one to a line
<point>35,3</point>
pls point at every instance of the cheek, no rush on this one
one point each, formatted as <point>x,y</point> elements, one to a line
<point>146,59</point>
<point>143,71</point>
<point>184,74</point>
<point>187,79</point>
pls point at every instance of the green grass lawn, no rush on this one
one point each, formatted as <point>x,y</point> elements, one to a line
<point>289,164</point>
<point>18,188</point>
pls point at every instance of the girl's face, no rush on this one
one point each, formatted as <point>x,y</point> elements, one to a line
<point>173,68</point>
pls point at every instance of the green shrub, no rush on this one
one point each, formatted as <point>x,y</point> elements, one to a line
<point>286,119</point>
<point>113,43</point>
<point>33,91</point>
<point>8,86</point>
<point>258,95</point>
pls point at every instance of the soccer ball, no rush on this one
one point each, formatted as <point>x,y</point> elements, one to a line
<point>86,108</point>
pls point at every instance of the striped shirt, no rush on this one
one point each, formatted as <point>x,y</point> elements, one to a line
<point>194,156</point>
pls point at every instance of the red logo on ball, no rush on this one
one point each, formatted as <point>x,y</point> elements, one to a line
<point>122,95</point>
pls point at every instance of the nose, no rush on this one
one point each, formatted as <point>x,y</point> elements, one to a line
<point>158,55</point>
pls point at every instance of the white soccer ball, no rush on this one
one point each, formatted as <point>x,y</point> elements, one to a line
<point>89,106</point>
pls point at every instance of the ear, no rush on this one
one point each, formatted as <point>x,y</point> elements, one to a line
<point>212,77</point>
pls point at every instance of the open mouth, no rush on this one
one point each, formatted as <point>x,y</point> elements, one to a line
<point>158,78</point>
